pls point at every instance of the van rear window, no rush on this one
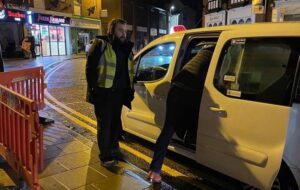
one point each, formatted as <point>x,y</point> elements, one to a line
<point>261,69</point>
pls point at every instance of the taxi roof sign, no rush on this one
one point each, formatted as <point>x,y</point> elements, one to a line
<point>177,28</point>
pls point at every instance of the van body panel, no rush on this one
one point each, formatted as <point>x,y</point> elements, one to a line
<point>148,107</point>
<point>252,156</point>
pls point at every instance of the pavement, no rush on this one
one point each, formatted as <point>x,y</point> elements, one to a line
<point>71,160</point>
<point>15,64</point>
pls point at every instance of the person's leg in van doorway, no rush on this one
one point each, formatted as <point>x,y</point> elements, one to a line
<point>189,81</point>
<point>173,113</point>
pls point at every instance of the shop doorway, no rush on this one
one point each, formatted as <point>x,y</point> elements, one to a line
<point>35,31</point>
<point>83,39</point>
<point>11,36</point>
<point>50,40</point>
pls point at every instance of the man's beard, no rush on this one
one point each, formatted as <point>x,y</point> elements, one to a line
<point>120,40</point>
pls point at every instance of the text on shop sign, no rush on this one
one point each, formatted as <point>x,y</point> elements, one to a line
<point>51,19</point>
<point>16,14</point>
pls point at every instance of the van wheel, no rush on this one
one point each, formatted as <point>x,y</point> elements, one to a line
<point>285,179</point>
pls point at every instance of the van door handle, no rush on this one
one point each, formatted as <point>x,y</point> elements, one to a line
<point>219,111</point>
<point>214,109</point>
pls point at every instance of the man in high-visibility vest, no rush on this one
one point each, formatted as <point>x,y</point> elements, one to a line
<point>109,73</point>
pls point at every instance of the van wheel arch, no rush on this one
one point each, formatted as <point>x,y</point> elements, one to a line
<point>285,179</point>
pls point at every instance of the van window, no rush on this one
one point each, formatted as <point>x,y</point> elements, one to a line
<point>154,64</point>
<point>194,47</point>
<point>261,70</point>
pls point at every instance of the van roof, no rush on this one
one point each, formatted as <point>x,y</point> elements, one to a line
<point>242,27</point>
<point>238,27</point>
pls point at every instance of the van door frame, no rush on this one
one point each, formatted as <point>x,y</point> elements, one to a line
<point>185,43</point>
<point>184,49</point>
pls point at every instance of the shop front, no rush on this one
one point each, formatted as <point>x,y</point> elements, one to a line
<point>50,33</point>
<point>12,32</point>
<point>82,32</point>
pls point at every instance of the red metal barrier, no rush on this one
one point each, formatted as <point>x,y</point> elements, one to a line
<point>21,137</point>
<point>28,82</point>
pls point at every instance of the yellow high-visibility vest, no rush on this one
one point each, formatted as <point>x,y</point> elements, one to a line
<point>107,67</point>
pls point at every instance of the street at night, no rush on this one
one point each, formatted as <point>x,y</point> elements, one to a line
<point>149,94</point>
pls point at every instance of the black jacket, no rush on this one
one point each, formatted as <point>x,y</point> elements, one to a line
<point>184,97</point>
<point>96,94</point>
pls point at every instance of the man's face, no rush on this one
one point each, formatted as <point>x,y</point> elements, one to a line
<point>120,32</point>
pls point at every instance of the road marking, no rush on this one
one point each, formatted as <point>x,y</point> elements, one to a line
<point>166,169</point>
<point>50,97</point>
<point>80,115</point>
<point>75,120</point>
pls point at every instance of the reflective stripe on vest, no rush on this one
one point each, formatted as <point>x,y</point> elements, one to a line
<point>107,68</point>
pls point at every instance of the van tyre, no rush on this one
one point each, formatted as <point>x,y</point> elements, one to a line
<point>285,179</point>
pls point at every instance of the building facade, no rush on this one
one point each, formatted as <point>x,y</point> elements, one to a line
<point>145,22</point>
<point>12,25</point>
<point>58,27</point>
<point>228,12</point>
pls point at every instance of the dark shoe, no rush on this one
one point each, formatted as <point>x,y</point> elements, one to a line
<point>118,155</point>
<point>109,163</point>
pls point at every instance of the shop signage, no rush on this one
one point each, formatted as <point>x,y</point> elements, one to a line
<point>85,24</point>
<point>215,19</point>
<point>241,15</point>
<point>16,14</point>
<point>286,11</point>
<point>48,19</point>
<point>13,15</point>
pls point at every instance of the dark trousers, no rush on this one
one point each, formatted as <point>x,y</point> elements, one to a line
<point>33,55</point>
<point>181,116</point>
<point>109,124</point>
<point>161,147</point>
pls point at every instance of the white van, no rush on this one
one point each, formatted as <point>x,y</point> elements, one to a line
<point>249,118</point>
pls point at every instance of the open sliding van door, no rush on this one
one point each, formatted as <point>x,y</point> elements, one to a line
<point>246,103</point>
